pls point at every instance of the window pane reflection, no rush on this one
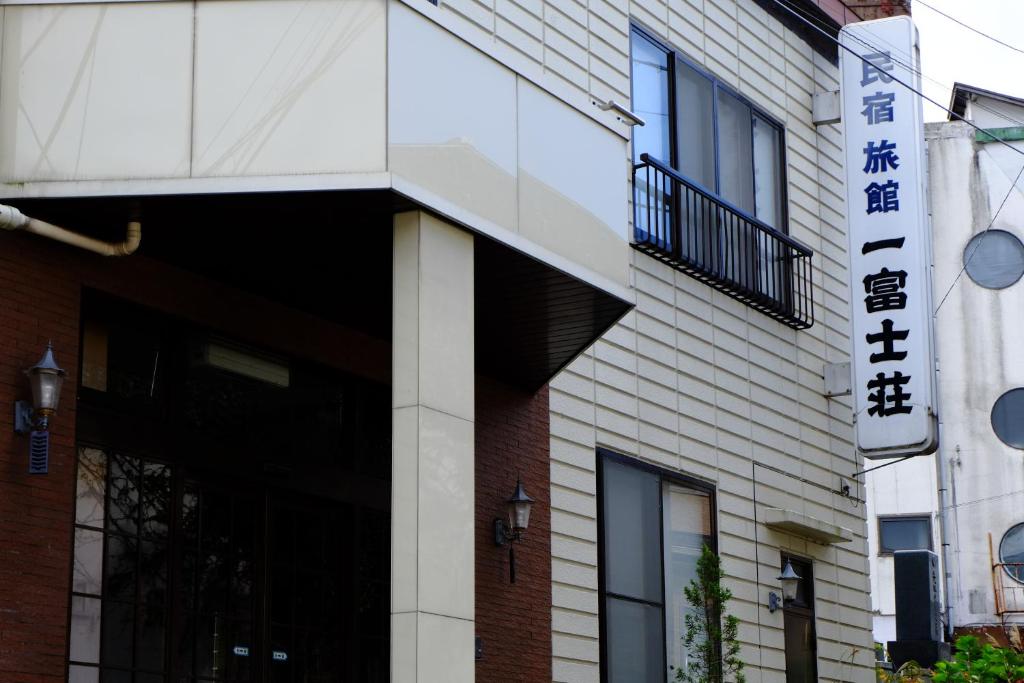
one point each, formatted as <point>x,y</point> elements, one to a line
<point>85,629</point>
<point>634,642</point>
<point>687,525</point>
<point>91,487</point>
<point>87,576</point>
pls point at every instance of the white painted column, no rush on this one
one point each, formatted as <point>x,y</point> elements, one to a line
<point>432,523</point>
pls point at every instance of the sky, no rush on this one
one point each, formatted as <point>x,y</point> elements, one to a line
<point>950,52</point>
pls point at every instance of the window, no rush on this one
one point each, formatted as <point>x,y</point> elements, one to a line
<point>904,533</point>
<point>1008,418</point>
<point>798,621</point>
<point>708,133</point>
<point>653,526</point>
<point>1011,552</point>
<point>994,259</point>
<point>709,185</point>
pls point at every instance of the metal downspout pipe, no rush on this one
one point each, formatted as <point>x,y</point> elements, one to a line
<point>13,219</point>
<point>942,470</point>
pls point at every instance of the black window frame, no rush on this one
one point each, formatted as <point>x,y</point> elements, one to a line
<point>716,85</point>
<point>880,519</point>
<point>664,475</point>
<point>692,227</point>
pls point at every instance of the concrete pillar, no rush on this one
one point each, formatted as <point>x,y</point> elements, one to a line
<point>432,510</point>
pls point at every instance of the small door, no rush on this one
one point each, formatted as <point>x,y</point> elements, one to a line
<point>801,639</point>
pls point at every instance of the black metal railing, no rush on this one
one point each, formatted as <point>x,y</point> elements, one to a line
<point>707,238</point>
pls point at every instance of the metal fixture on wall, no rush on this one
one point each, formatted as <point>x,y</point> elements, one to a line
<point>511,530</point>
<point>790,581</point>
<point>46,379</point>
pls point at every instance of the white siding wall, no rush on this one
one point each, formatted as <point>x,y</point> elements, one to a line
<point>692,380</point>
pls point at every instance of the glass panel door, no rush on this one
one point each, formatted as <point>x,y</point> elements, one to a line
<point>219,541</point>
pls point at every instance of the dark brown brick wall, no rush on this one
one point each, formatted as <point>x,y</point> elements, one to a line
<point>39,299</point>
<point>514,620</point>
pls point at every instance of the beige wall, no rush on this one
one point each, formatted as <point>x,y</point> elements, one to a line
<point>692,380</point>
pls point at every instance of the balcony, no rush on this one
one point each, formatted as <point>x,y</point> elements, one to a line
<point>707,238</point>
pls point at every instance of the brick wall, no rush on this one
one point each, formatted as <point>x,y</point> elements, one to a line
<point>879,9</point>
<point>41,284</point>
<point>38,301</point>
<point>513,620</point>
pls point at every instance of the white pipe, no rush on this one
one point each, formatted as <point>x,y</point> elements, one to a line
<point>13,219</point>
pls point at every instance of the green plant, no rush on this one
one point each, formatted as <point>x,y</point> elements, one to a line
<point>975,663</point>
<point>711,634</point>
<point>910,672</point>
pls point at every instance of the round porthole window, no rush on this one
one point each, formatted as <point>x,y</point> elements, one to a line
<point>1008,418</point>
<point>994,259</point>
<point>1011,552</point>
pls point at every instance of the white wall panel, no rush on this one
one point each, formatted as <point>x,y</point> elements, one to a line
<point>95,91</point>
<point>451,118</point>
<point>288,87</point>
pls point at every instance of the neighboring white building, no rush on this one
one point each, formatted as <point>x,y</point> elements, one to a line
<point>978,261</point>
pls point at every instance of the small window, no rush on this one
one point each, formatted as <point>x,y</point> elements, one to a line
<point>994,259</point>
<point>1008,418</point>
<point>904,533</point>
<point>1011,552</point>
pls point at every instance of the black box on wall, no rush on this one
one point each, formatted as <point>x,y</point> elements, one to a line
<point>918,607</point>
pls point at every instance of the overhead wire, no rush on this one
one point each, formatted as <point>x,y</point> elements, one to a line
<point>906,85</point>
<point>981,241</point>
<point>996,138</point>
<point>902,59</point>
<point>968,27</point>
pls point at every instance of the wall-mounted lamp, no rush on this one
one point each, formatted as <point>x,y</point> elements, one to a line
<point>511,530</point>
<point>790,581</point>
<point>46,379</point>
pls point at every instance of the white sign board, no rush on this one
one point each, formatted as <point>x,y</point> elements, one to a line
<point>890,241</point>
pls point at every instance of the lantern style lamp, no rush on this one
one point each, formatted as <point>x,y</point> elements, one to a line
<point>511,531</point>
<point>45,379</point>
<point>790,581</point>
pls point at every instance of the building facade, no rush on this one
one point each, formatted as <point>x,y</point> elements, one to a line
<point>964,503</point>
<point>706,410</point>
<point>372,233</point>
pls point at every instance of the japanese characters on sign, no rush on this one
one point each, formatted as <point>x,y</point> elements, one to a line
<point>890,244</point>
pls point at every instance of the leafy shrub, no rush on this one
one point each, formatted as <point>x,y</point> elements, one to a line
<point>975,663</point>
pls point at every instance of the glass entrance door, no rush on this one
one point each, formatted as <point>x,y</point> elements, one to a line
<point>232,519</point>
<point>183,579</point>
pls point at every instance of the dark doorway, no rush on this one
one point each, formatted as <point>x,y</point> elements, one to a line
<point>232,517</point>
<point>801,639</point>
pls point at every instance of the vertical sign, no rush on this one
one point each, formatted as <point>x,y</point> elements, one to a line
<point>890,241</point>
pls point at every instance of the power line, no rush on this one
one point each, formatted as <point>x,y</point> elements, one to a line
<point>982,240</point>
<point>906,85</point>
<point>969,28</point>
<point>904,60</point>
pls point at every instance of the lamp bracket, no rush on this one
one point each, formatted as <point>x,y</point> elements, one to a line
<point>502,533</point>
<point>774,603</point>
<point>24,417</point>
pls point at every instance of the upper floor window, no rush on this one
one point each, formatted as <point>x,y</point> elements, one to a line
<point>904,533</point>
<point>709,186</point>
<point>654,526</point>
<point>706,132</point>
